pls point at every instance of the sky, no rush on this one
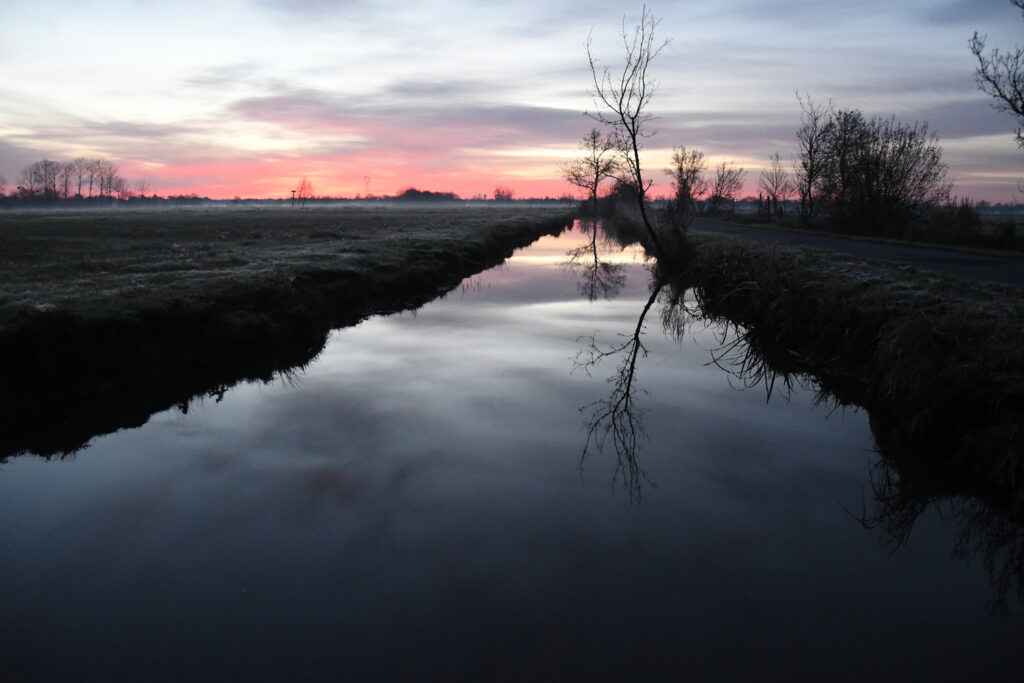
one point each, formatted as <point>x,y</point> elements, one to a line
<point>229,98</point>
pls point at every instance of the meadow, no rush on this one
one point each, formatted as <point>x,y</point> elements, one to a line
<point>109,316</point>
<point>102,264</point>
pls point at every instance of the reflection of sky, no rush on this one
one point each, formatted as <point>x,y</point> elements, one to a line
<point>412,500</point>
<point>243,97</point>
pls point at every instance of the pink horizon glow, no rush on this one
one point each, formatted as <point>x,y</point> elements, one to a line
<point>275,180</point>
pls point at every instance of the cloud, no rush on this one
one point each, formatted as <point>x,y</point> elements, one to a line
<point>302,10</point>
<point>443,117</point>
<point>226,75</point>
<point>960,12</point>
<point>962,118</point>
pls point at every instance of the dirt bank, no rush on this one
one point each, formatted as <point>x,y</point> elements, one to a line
<point>107,317</point>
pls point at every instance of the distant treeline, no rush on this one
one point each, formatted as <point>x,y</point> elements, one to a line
<point>411,194</point>
<point>80,178</point>
<point>13,201</point>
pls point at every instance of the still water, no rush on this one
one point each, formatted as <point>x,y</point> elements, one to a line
<point>414,504</point>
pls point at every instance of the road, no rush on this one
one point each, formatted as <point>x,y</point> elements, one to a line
<point>983,267</point>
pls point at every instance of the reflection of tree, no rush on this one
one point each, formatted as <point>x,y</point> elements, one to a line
<point>598,279</point>
<point>905,487</point>
<point>617,418</point>
<point>906,482</point>
<point>740,357</point>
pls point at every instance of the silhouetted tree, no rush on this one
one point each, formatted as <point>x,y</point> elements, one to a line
<point>623,100</point>
<point>81,165</point>
<point>412,194</point>
<point>304,190</point>
<point>776,183</point>
<point>878,173</point>
<point>503,193</point>
<point>92,170</point>
<point>39,179</point>
<point>105,173</point>
<point>119,188</point>
<point>814,123</point>
<point>727,184</point>
<point>600,161</point>
<point>846,141</point>
<point>687,173</point>
<point>1001,75</point>
<point>64,176</point>
<point>3,184</point>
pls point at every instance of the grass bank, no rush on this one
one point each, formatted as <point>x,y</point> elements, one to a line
<point>937,361</point>
<point>109,316</point>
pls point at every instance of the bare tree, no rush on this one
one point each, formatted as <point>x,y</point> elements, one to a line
<point>503,193</point>
<point>687,173</point>
<point>623,99</point>
<point>1001,75</point>
<point>776,184</point>
<point>64,175</point>
<point>727,184</point>
<point>880,173</point>
<point>120,188</point>
<point>142,187</point>
<point>81,165</point>
<point>815,121</point>
<point>27,182</point>
<point>3,184</point>
<point>599,161</point>
<point>106,175</point>
<point>39,179</point>
<point>93,168</point>
<point>304,191</point>
<point>49,171</point>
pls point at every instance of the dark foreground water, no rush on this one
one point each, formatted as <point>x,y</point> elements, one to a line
<point>411,506</point>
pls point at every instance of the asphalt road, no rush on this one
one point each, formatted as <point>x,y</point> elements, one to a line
<point>982,267</point>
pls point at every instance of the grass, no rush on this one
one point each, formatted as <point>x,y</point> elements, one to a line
<point>937,361</point>
<point>109,316</point>
<point>106,263</point>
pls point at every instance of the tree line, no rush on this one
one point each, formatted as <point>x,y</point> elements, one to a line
<point>78,178</point>
<point>850,170</point>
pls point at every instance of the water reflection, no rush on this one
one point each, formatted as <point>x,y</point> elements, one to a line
<point>905,489</point>
<point>415,506</point>
<point>618,419</point>
<point>600,277</point>
<point>905,482</point>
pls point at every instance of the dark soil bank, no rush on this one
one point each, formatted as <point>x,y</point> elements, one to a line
<point>106,318</point>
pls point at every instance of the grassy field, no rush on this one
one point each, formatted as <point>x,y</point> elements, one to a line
<point>109,316</point>
<point>110,263</point>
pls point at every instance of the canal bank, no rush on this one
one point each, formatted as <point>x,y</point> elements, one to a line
<point>107,317</point>
<point>938,361</point>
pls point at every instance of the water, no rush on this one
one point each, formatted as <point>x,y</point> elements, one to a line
<point>414,505</point>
